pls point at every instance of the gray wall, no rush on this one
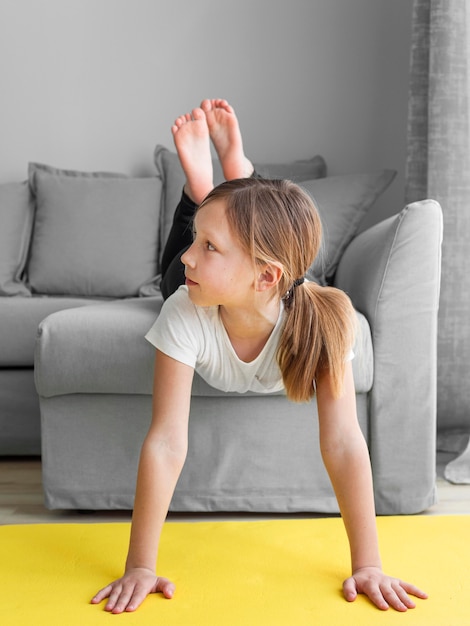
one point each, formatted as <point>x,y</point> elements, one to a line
<point>94,84</point>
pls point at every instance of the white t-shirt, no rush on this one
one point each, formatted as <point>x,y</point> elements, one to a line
<point>196,336</point>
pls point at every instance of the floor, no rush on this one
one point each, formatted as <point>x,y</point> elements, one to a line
<point>21,498</point>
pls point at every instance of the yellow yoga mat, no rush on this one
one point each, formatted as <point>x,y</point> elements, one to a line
<point>260,573</point>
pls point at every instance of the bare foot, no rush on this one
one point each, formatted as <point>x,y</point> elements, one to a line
<point>191,137</point>
<point>226,137</point>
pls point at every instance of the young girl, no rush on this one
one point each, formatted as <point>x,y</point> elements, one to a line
<point>245,319</point>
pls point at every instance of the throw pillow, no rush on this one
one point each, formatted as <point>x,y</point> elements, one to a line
<point>342,202</point>
<point>16,220</point>
<point>95,233</point>
<point>169,168</point>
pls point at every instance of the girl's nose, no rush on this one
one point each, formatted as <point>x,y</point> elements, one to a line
<point>187,258</point>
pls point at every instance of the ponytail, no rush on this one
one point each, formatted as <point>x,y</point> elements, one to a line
<point>317,337</point>
<point>276,220</point>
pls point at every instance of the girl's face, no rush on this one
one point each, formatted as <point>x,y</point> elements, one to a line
<point>218,270</point>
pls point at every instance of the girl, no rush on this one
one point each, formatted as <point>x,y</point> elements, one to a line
<point>246,320</point>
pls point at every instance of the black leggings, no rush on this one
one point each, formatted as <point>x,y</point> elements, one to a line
<point>179,240</point>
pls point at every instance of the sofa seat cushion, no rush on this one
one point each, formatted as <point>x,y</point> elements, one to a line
<point>102,349</point>
<point>20,319</point>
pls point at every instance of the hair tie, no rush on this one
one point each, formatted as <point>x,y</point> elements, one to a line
<point>289,296</point>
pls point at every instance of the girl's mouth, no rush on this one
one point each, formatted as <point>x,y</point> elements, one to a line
<point>189,283</point>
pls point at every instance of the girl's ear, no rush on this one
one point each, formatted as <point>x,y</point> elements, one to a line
<point>269,276</point>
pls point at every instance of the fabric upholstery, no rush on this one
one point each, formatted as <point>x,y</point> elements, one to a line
<point>19,324</point>
<point>342,202</point>
<point>392,274</point>
<point>93,235</point>
<point>250,454</point>
<point>104,351</point>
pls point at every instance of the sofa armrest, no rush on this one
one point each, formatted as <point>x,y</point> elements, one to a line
<point>392,274</point>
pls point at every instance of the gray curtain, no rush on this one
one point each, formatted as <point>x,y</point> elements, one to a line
<point>438,166</point>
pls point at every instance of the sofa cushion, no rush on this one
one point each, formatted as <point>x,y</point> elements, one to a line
<point>16,220</point>
<point>169,168</point>
<point>342,202</point>
<point>102,349</point>
<point>95,234</point>
<point>19,323</point>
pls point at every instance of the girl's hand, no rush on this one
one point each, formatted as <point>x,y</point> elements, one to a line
<point>382,590</point>
<point>128,593</point>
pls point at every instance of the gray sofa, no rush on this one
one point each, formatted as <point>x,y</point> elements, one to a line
<point>93,368</point>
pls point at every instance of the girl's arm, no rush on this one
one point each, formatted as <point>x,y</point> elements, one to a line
<point>344,452</point>
<point>161,461</point>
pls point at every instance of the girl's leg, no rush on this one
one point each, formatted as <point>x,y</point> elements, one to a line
<point>174,276</point>
<point>215,119</point>
<point>179,240</point>
<point>191,137</point>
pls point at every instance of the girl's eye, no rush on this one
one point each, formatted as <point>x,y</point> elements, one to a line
<point>210,247</point>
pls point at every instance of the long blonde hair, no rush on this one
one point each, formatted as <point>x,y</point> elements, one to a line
<point>276,221</point>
